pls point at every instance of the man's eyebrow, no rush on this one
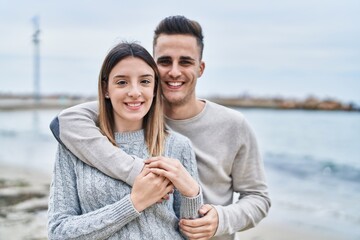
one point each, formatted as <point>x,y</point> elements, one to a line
<point>163,58</point>
<point>187,58</point>
<point>183,58</point>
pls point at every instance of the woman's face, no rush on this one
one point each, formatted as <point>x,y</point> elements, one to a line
<point>131,91</point>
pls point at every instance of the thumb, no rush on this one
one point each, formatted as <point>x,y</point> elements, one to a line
<point>145,171</point>
<point>151,159</point>
<point>205,209</point>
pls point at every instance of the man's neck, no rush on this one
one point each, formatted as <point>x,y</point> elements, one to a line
<point>182,112</point>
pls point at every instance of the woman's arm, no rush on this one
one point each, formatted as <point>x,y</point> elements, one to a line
<point>65,218</point>
<point>184,176</point>
<point>76,129</point>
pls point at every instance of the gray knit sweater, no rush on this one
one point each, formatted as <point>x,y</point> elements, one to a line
<point>227,155</point>
<point>86,204</point>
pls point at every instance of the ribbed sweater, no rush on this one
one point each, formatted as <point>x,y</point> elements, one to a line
<point>84,203</point>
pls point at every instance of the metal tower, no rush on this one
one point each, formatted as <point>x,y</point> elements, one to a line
<point>36,42</point>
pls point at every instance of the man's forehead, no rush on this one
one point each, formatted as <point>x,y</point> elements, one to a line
<point>179,46</point>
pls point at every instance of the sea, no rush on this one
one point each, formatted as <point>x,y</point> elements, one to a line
<point>312,161</point>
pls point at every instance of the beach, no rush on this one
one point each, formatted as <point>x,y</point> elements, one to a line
<point>23,203</point>
<point>27,219</point>
<point>313,174</point>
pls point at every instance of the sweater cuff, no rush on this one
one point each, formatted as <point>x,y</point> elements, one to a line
<point>191,205</point>
<point>220,228</point>
<point>123,208</point>
<point>135,171</point>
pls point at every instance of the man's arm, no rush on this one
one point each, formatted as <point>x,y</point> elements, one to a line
<point>76,129</point>
<point>253,204</point>
<point>249,180</point>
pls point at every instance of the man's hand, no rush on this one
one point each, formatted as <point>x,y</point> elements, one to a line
<point>201,228</point>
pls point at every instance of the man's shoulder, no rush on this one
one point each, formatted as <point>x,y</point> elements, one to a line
<point>224,112</point>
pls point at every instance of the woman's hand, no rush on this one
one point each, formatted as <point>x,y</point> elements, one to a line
<point>148,189</point>
<point>173,170</point>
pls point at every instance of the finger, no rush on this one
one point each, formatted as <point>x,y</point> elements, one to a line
<point>205,209</point>
<point>169,188</point>
<point>145,171</point>
<point>152,159</point>
<point>199,232</point>
<point>161,172</point>
<point>168,166</point>
<point>197,236</point>
<point>194,223</point>
<point>166,197</point>
<point>191,230</point>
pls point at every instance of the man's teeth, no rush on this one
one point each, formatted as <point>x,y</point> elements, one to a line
<point>134,104</point>
<point>175,84</point>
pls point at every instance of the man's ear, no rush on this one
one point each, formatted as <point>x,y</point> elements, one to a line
<point>201,68</point>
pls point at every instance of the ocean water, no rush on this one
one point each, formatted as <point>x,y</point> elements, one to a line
<point>312,161</point>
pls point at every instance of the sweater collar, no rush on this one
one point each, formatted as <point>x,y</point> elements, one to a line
<point>123,137</point>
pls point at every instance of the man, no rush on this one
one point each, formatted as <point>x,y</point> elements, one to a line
<point>226,150</point>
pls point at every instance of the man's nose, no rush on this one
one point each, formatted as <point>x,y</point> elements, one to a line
<point>175,71</point>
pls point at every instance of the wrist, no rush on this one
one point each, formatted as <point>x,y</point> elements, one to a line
<point>192,192</point>
<point>137,203</point>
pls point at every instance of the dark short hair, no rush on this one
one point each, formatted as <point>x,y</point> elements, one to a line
<point>180,25</point>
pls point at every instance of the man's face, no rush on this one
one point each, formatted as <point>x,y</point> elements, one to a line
<point>178,60</point>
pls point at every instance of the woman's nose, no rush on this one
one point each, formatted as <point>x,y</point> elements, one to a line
<point>134,92</point>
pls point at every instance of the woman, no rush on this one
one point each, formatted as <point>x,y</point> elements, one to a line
<point>86,204</point>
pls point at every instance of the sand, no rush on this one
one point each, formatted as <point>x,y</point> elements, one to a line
<point>22,224</point>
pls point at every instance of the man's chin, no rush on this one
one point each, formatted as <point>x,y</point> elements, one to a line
<point>174,100</point>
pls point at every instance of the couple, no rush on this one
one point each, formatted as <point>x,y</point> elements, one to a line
<point>86,202</point>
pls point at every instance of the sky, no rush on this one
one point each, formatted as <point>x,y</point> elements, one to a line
<point>262,48</point>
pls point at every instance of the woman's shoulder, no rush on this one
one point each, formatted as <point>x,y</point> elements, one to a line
<point>177,141</point>
<point>177,137</point>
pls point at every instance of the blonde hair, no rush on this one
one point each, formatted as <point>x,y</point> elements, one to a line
<point>153,122</point>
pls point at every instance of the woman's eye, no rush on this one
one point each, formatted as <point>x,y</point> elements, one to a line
<point>145,81</point>
<point>121,82</point>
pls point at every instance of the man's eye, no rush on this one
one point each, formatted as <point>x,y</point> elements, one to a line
<point>185,63</point>
<point>164,62</point>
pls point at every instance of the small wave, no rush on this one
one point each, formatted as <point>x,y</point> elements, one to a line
<point>308,166</point>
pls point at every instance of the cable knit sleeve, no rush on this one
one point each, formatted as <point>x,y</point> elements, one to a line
<point>186,207</point>
<point>65,218</point>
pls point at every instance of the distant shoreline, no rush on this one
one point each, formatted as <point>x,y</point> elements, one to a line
<point>10,102</point>
<point>26,102</point>
<point>310,103</point>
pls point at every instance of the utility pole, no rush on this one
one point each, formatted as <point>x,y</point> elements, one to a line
<point>36,41</point>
